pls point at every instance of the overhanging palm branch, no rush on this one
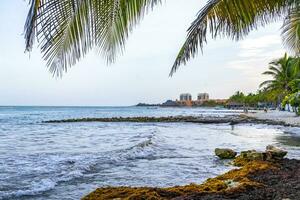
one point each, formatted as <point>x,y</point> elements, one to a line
<point>235,19</point>
<point>266,83</point>
<point>291,30</point>
<point>67,29</point>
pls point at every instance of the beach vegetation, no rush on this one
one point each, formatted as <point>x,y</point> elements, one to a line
<point>285,75</point>
<point>285,82</point>
<point>261,97</point>
<point>280,90</point>
<point>294,101</point>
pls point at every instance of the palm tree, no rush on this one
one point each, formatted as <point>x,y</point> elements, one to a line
<point>285,76</point>
<point>67,29</point>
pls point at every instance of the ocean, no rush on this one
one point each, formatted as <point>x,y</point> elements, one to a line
<point>67,161</point>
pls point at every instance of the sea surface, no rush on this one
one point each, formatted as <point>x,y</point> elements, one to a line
<point>67,161</point>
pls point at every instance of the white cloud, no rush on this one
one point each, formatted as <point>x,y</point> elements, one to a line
<point>253,57</point>
<point>260,42</point>
<point>258,47</point>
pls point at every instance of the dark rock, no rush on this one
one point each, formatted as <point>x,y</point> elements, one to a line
<point>275,153</point>
<point>225,153</point>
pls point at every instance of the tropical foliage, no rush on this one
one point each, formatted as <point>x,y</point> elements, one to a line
<point>285,81</point>
<point>281,90</point>
<point>261,97</point>
<point>67,29</point>
<point>292,100</point>
<point>285,75</point>
<point>234,19</point>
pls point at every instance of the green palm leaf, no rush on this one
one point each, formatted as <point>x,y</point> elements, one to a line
<point>266,83</point>
<point>291,31</point>
<point>67,29</point>
<point>229,18</point>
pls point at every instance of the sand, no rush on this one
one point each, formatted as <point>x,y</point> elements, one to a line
<point>288,118</point>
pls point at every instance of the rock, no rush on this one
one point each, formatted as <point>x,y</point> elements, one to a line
<point>275,153</point>
<point>225,153</point>
<point>247,156</point>
<point>272,153</point>
<point>253,155</point>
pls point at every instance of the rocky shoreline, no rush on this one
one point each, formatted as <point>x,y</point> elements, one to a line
<point>230,119</point>
<point>261,176</point>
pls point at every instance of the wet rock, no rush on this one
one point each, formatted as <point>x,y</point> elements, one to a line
<point>253,155</point>
<point>225,153</point>
<point>247,156</point>
<point>273,152</point>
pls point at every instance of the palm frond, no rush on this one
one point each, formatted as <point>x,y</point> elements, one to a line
<point>275,69</point>
<point>228,18</point>
<point>291,31</point>
<point>272,73</point>
<point>266,83</point>
<point>119,19</point>
<point>67,29</point>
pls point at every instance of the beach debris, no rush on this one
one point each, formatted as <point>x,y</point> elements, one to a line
<point>225,153</point>
<point>231,183</point>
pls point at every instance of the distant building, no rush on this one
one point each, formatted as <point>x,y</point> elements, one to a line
<point>185,97</point>
<point>203,97</point>
<point>185,100</point>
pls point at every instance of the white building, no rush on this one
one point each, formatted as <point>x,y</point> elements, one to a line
<point>185,97</point>
<point>203,97</point>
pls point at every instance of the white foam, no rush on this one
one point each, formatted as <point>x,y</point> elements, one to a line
<point>36,188</point>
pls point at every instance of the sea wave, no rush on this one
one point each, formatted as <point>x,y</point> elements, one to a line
<point>36,188</point>
<point>54,168</point>
<point>153,147</point>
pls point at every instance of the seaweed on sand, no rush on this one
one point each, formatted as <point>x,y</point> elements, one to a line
<point>232,181</point>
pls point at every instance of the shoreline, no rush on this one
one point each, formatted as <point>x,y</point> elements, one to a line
<point>255,180</point>
<point>281,118</point>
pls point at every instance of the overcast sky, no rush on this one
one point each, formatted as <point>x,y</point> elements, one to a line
<point>141,73</point>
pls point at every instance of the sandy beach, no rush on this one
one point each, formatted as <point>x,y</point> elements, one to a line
<point>287,118</point>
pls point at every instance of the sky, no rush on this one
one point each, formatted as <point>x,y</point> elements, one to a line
<point>140,74</point>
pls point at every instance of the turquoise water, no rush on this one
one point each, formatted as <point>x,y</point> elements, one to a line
<point>67,161</point>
